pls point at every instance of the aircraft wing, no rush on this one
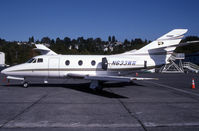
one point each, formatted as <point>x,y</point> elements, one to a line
<point>108,78</point>
<point>14,78</point>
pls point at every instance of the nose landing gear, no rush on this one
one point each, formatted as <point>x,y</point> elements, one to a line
<point>25,84</point>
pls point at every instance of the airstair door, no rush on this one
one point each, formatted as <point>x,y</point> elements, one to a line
<point>53,67</point>
<point>145,64</point>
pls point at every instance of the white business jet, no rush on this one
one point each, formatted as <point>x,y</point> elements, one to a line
<point>97,68</point>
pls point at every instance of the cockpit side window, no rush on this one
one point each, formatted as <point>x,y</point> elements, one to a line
<point>34,61</point>
<point>40,60</point>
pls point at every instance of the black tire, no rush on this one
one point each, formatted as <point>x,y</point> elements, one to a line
<point>25,85</point>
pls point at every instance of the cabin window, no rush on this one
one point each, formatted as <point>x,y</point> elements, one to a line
<point>80,62</point>
<point>40,60</point>
<point>93,62</point>
<point>67,62</point>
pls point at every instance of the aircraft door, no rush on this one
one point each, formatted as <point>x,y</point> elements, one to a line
<point>145,64</point>
<point>104,63</point>
<point>53,67</point>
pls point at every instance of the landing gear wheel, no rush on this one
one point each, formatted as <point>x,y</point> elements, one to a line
<point>25,84</point>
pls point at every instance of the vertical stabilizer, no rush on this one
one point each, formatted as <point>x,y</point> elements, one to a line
<point>168,42</point>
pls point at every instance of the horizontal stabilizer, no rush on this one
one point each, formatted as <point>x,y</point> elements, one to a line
<point>44,50</point>
<point>188,43</point>
<point>174,34</point>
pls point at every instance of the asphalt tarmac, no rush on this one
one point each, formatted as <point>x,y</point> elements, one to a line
<point>165,104</point>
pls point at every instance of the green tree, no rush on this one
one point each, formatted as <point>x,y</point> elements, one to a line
<point>46,40</point>
<point>31,39</point>
<point>113,39</point>
<point>67,40</point>
<point>190,48</point>
<point>52,41</point>
<point>109,38</point>
<point>58,41</point>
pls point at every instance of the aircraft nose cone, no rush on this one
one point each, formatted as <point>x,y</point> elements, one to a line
<point>4,71</point>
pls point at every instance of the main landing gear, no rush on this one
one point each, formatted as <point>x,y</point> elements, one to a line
<point>96,85</point>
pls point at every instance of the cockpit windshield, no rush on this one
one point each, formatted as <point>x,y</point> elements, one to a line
<point>31,60</point>
<point>34,60</point>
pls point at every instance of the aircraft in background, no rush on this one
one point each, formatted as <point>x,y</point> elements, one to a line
<point>97,68</point>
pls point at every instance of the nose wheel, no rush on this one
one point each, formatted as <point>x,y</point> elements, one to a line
<point>25,84</point>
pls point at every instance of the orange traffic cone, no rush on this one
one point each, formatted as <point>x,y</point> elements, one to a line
<point>193,84</point>
<point>136,74</point>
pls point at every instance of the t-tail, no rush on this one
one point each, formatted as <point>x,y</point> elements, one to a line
<point>169,40</point>
<point>164,46</point>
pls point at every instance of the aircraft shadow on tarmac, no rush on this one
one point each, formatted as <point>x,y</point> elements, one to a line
<point>119,84</point>
<point>85,88</point>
